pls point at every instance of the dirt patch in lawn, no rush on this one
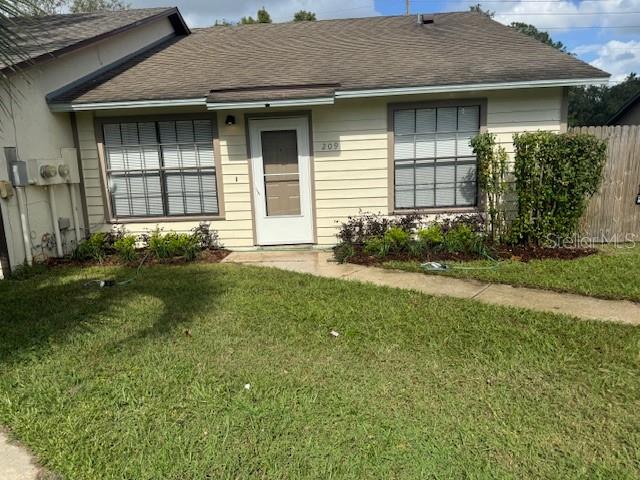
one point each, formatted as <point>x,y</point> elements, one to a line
<point>517,253</point>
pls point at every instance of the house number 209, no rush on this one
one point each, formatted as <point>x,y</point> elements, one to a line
<point>330,146</point>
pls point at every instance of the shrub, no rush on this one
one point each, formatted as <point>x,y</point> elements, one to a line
<point>343,251</point>
<point>431,236</point>
<point>377,246</point>
<point>555,176</point>
<point>125,247</point>
<point>492,180</point>
<point>397,239</point>
<point>205,237</point>
<point>359,229</point>
<point>463,239</point>
<point>95,248</point>
<point>173,245</point>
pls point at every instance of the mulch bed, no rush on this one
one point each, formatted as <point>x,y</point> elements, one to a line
<point>516,253</point>
<point>206,256</point>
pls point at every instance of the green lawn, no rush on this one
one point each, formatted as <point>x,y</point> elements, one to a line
<point>613,273</point>
<point>147,381</point>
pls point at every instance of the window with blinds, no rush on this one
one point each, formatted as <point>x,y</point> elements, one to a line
<point>161,168</point>
<point>433,161</point>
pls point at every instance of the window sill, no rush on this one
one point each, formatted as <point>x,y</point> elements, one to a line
<point>200,218</point>
<point>436,210</point>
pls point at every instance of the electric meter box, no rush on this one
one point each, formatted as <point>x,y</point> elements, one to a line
<point>54,171</point>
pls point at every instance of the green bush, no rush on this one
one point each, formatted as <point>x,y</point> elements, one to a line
<point>173,245</point>
<point>555,176</point>
<point>343,251</point>
<point>397,239</point>
<point>431,236</point>
<point>377,246</point>
<point>125,248</point>
<point>95,248</point>
<point>462,239</point>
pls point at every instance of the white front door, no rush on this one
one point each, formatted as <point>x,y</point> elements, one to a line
<point>281,171</point>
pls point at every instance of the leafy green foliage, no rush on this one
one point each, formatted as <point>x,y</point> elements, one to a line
<point>86,6</point>
<point>374,235</point>
<point>463,239</point>
<point>492,180</point>
<point>125,248</point>
<point>160,246</point>
<point>172,245</point>
<point>95,248</point>
<point>304,16</point>
<point>431,236</point>
<point>544,37</point>
<point>357,229</point>
<point>343,251</point>
<point>262,16</point>
<point>555,176</point>
<point>595,105</point>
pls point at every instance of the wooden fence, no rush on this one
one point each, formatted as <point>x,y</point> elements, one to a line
<point>612,215</point>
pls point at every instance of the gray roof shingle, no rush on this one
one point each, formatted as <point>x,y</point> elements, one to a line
<point>45,37</point>
<point>377,52</point>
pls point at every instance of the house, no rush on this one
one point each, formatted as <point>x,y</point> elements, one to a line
<point>629,113</point>
<point>274,133</point>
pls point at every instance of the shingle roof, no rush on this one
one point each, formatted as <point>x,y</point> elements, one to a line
<point>45,37</point>
<point>377,52</point>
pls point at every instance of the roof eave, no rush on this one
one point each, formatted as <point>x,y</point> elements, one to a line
<point>174,15</point>
<point>383,92</point>
<point>339,94</point>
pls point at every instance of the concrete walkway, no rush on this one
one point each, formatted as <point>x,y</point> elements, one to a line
<point>16,463</point>
<point>319,263</point>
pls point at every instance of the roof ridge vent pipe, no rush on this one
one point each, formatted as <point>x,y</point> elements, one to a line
<point>425,18</point>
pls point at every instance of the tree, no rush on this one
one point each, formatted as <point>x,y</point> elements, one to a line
<point>539,35</point>
<point>262,16</point>
<point>478,8</point>
<point>595,105</point>
<point>304,16</point>
<point>88,6</point>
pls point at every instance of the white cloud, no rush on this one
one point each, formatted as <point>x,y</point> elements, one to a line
<point>616,57</point>
<point>202,13</point>
<point>562,14</point>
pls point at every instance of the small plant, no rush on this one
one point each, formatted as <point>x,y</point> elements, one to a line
<point>125,248</point>
<point>377,246</point>
<point>343,251</point>
<point>359,229</point>
<point>95,248</point>
<point>205,237</point>
<point>173,245</point>
<point>397,239</point>
<point>462,239</point>
<point>431,236</point>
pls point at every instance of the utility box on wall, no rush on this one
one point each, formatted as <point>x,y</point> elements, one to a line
<point>16,169</point>
<point>54,171</point>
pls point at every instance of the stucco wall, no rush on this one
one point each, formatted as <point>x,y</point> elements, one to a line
<point>39,134</point>
<point>346,181</point>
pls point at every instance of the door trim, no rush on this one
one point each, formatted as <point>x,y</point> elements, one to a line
<point>312,177</point>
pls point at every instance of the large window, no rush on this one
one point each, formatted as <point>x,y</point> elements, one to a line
<point>434,164</point>
<point>161,168</point>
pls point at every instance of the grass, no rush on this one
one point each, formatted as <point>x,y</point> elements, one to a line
<point>613,273</point>
<point>147,381</point>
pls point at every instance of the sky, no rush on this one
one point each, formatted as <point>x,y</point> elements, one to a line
<point>605,33</point>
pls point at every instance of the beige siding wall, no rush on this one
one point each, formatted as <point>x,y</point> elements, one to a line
<point>38,133</point>
<point>352,179</point>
